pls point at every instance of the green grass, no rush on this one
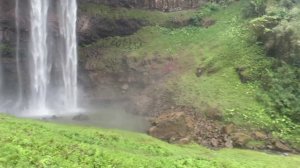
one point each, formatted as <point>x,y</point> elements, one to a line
<point>29,143</point>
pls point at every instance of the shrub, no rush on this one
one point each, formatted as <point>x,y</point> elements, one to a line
<point>255,8</point>
<point>283,88</point>
<point>280,13</point>
<point>205,11</point>
<point>279,37</point>
<point>287,3</point>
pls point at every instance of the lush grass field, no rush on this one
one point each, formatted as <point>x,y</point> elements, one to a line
<point>29,143</point>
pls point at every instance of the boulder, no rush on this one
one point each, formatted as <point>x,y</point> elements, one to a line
<point>259,135</point>
<point>81,117</point>
<point>228,129</point>
<point>172,126</point>
<point>185,140</point>
<point>255,144</point>
<point>282,147</point>
<point>214,142</point>
<point>240,139</point>
<point>228,142</point>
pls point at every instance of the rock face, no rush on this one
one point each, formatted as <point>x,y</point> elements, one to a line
<point>91,29</point>
<point>183,124</point>
<point>187,125</point>
<point>282,147</point>
<point>240,139</point>
<point>172,127</point>
<point>165,5</point>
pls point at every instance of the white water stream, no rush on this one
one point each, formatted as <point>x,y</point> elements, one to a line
<point>67,23</point>
<point>51,73</point>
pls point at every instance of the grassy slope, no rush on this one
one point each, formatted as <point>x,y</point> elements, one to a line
<point>223,46</point>
<point>28,143</point>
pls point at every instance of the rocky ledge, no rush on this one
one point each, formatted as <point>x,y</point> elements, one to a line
<point>165,5</point>
<point>183,125</point>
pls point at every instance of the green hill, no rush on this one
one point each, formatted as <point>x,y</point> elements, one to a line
<point>29,143</point>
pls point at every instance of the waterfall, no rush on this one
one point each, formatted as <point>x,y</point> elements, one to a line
<point>1,72</point>
<point>45,98</point>
<point>18,63</point>
<point>42,77</point>
<point>67,23</point>
<point>39,67</point>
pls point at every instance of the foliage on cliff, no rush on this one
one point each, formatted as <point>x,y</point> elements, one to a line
<point>278,33</point>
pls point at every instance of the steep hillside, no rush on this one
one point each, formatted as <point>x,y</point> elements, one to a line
<point>211,64</point>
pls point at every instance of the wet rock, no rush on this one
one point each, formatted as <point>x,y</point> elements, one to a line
<point>240,139</point>
<point>185,140</point>
<point>254,144</point>
<point>54,117</point>
<point>92,28</point>
<point>270,147</point>
<point>260,135</point>
<point>285,154</point>
<point>228,142</point>
<point>214,142</point>
<point>81,117</point>
<point>213,113</point>
<point>172,140</point>
<point>282,147</point>
<point>172,126</point>
<point>228,129</point>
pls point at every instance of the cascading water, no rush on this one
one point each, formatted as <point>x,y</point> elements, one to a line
<point>67,23</point>
<point>39,66</point>
<point>42,79</point>
<point>1,72</point>
<point>18,63</point>
<point>45,75</point>
<point>44,97</point>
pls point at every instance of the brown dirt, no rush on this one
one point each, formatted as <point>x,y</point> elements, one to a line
<point>183,122</point>
<point>183,125</point>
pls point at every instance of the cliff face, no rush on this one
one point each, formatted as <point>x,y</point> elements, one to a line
<point>106,27</point>
<point>165,5</point>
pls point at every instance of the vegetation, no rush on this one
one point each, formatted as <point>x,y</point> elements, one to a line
<point>249,58</point>
<point>28,143</point>
<point>278,33</point>
<point>255,8</point>
<point>239,78</point>
<point>152,17</point>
